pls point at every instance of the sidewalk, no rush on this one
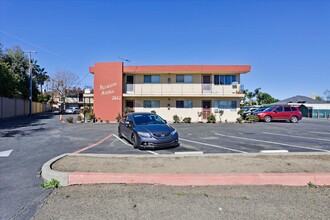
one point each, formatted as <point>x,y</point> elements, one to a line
<point>292,169</point>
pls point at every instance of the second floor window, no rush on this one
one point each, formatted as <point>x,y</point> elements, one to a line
<point>151,104</point>
<point>184,78</point>
<point>184,104</point>
<point>224,80</point>
<point>151,79</point>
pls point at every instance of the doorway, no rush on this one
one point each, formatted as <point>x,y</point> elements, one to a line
<point>206,108</point>
<point>129,84</point>
<point>206,84</point>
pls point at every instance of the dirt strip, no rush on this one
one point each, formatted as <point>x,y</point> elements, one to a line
<point>213,164</point>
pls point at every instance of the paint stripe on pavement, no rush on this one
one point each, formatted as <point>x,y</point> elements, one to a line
<point>272,142</point>
<point>211,145</point>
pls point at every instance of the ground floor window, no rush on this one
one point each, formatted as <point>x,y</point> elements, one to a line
<point>151,104</point>
<point>220,104</point>
<point>184,104</point>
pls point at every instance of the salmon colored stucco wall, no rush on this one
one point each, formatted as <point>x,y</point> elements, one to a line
<point>108,90</point>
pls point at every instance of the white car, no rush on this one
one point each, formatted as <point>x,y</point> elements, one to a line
<point>72,110</point>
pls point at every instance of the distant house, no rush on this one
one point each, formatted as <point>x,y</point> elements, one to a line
<point>309,107</point>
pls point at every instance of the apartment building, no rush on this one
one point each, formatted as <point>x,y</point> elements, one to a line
<point>194,91</point>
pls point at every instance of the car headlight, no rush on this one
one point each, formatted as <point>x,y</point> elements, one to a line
<point>144,134</point>
<point>173,132</point>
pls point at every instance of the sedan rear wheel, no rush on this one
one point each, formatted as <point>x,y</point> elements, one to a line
<point>134,141</point>
<point>294,119</point>
<point>268,119</point>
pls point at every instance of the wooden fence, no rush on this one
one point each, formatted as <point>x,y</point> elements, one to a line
<point>19,107</point>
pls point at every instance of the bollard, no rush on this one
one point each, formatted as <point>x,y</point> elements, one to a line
<point>61,118</point>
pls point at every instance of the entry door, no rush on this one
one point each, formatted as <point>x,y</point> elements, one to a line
<point>206,105</point>
<point>129,84</point>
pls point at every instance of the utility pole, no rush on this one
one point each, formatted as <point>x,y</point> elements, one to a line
<point>30,72</point>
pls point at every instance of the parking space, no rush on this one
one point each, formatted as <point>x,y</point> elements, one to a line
<point>308,135</point>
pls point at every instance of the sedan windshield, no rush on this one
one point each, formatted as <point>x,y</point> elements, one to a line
<point>145,119</point>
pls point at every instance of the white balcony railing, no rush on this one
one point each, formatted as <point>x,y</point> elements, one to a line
<point>183,89</point>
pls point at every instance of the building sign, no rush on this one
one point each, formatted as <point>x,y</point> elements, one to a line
<point>109,89</point>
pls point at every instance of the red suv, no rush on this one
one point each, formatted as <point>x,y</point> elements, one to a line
<point>280,113</point>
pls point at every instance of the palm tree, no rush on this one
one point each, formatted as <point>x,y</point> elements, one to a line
<point>257,94</point>
<point>39,74</point>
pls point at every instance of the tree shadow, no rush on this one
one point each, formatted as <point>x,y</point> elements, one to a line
<point>21,122</point>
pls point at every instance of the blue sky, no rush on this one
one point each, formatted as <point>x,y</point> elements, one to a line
<point>287,42</point>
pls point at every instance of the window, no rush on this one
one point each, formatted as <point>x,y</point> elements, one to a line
<point>279,109</point>
<point>287,109</point>
<point>184,78</point>
<point>151,104</point>
<point>224,80</point>
<point>184,104</point>
<point>151,79</point>
<point>225,104</point>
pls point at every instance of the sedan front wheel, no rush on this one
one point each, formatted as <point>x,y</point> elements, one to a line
<point>134,141</point>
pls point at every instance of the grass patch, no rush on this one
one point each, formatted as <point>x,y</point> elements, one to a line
<point>311,185</point>
<point>53,183</point>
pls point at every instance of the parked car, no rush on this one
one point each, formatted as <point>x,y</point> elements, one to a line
<point>248,111</point>
<point>280,113</point>
<point>147,130</point>
<point>72,110</point>
<point>261,109</point>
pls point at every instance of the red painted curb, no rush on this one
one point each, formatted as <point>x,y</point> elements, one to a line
<point>288,179</point>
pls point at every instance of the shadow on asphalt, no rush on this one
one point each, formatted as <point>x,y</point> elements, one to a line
<point>20,122</point>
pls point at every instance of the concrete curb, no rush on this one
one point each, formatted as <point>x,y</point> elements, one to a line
<point>287,179</point>
<point>48,173</point>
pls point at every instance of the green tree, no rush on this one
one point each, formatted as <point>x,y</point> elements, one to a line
<point>257,95</point>
<point>249,95</point>
<point>39,74</point>
<point>265,98</point>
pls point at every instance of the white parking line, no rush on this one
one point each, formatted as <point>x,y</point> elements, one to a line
<point>274,151</point>
<point>189,153</point>
<point>152,152</point>
<point>319,132</point>
<point>122,140</point>
<point>131,145</point>
<point>211,145</point>
<point>286,135</point>
<point>271,142</point>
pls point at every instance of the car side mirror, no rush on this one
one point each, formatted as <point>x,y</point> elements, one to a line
<point>275,111</point>
<point>165,121</point>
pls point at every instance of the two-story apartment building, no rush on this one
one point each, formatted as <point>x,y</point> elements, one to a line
<point>183,90</point>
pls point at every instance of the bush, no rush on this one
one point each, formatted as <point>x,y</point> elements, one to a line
<point>240,112</point>
<point>69,119</point>
<point>211,119</point>
<point>187,120</point>
<point>118,117</point>
<point>90,116</point>
<point>79,118</point>
<point>176,119</point>
<point>153,112</point>
<point>239,120</point>
<point>252,118</point>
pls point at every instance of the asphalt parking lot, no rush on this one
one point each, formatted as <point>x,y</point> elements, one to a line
<point>309,135</point>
